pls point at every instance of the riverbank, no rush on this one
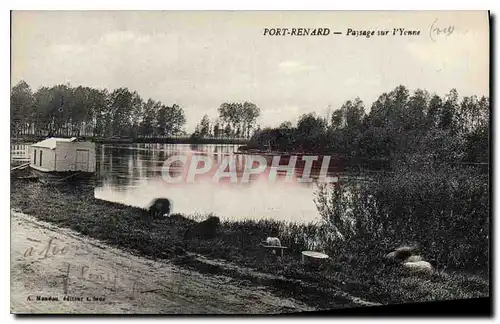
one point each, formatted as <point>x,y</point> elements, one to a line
<point>101,279</point>
<point>351,278</point>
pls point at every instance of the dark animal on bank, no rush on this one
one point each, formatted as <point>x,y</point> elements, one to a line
<point>204,230</point>
<point>400,254</point>
<point>158,208</point>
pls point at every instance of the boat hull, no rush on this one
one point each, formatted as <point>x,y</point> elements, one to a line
<point>53,176</point>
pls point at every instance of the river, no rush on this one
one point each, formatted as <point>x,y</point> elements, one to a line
<point>132,174</point>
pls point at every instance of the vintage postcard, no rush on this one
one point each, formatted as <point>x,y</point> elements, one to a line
<point>248,162</point>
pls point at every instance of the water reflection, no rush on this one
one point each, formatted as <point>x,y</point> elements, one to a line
<point>132,174</point>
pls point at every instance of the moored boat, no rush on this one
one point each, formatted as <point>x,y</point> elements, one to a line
<point>58,159</point>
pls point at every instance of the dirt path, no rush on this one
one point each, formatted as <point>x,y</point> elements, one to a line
<point>51,262</point>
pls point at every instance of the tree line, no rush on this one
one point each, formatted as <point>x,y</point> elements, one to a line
<point>85,111</point>
<point>234,119</point>
<point>416,126</point>
<point>63,110</point>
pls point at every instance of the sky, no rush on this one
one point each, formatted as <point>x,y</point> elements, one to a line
<point>199,60</point>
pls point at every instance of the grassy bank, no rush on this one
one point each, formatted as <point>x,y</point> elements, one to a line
<point>356,269</point>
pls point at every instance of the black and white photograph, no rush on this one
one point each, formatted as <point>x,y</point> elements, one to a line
<point>241,162</point>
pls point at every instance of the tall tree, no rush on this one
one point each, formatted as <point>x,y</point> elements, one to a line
<point>241,117</point>
<point>250,113</point>
<point>447,113</point>
<point>171,120</point>
<point>433,112</point>
<point>98,103</point>
<point>124,105</point>
<point>217,129</point>
<point>311,131</point>
<point>203,128</point>
<point>21,107</point>
<point>149,112</point>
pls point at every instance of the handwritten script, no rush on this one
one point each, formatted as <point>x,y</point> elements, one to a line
<point>53,249</point>
<point>108,276</point>
<point>435,31</point>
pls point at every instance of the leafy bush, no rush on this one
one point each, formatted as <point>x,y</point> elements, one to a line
<point>445,210</point>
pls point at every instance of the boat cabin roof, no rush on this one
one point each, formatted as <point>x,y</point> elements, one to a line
<point>51,142</point>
